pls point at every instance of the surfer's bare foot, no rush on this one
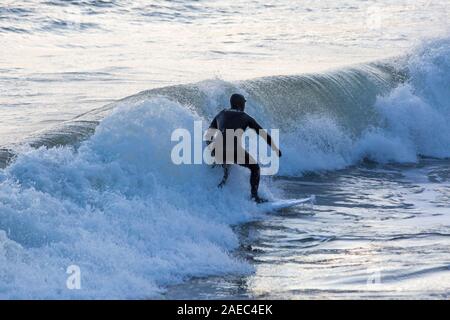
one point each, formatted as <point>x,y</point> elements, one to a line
<point>257,199</point>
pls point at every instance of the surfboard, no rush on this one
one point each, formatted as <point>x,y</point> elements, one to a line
<point>287,203</point>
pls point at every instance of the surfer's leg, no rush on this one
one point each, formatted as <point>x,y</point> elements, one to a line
<point>226,172</point>
<point>220,157</point>
<point>255,171</point>
<point>254,179</point>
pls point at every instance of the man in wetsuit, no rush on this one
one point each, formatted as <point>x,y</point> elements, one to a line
<point>236,120</point>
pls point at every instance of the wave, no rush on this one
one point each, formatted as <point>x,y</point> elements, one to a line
<point>117,208</point>
<point>391,111</point>
<point>101,192</point>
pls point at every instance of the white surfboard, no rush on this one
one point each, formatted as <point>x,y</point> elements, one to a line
<point>283,204</point>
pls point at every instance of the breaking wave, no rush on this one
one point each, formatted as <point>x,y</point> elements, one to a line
<point>101,192</point>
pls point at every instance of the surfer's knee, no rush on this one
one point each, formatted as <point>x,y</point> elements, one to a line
<point>255,168</point>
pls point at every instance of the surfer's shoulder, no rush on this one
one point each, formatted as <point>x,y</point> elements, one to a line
<point>233,111</point>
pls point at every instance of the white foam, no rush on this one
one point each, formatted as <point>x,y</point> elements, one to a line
<point>134,222</point>
<point>118,208</point>
<point>412,120</point>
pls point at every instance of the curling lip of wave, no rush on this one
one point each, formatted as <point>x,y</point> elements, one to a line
<point>316,92</point>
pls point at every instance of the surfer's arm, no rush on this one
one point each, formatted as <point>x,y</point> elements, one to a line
<point>263,134</point>
<point>213,124</point>
<point>210,133</point>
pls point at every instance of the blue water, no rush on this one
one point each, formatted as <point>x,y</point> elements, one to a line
<point>360,97</point>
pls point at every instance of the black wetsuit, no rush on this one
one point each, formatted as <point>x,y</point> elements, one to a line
<point>235,119</point>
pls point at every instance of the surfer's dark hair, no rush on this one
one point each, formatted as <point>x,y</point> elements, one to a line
<point>237,101</point>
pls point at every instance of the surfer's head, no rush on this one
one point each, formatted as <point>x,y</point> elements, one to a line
<point>237,101</point>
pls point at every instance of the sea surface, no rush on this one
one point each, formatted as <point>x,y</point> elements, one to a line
<point>92,90</point>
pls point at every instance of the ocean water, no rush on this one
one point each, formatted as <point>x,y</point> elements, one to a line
<point>92,90</point>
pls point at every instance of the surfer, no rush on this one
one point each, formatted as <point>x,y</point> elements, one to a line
<point>236,120</point>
